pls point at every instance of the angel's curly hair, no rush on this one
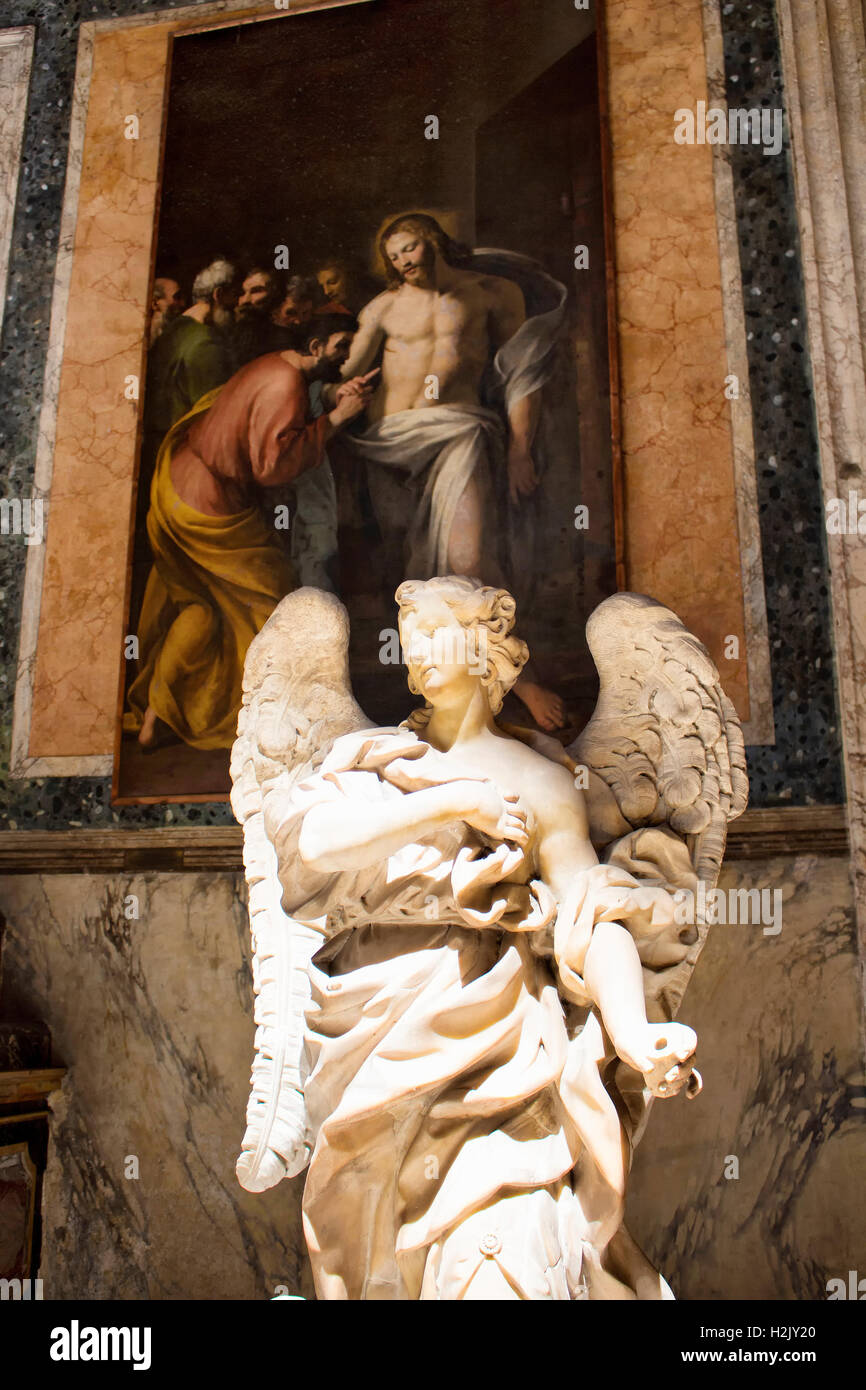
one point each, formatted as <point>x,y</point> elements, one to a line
<point>475,605</point>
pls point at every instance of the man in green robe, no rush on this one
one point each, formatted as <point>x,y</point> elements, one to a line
<point>191,357</point>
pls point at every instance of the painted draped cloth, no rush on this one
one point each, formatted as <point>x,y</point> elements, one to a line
<point>456,1098</point>
<point>214,583</point>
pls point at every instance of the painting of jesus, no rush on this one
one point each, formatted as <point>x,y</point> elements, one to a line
<point>379,350</point>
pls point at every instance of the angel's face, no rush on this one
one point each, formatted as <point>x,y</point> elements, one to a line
<point>441,654</point>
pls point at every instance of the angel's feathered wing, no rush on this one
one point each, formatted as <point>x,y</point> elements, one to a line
<point>297,699</point>
<point>666,745</point>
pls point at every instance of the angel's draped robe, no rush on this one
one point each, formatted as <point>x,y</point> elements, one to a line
<point>219,567</point>
<point>462,1110</point>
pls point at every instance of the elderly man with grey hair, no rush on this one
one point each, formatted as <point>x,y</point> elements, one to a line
<point>191,357</point>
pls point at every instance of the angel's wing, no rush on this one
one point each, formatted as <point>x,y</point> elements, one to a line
<point>665,747</point>
<point>297,699</point>
<point>664,737</point>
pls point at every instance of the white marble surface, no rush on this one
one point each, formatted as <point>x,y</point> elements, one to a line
<point>426,903</point>
<point>782,1061</point>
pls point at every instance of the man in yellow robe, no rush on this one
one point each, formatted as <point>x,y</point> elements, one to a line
<point>219,568</point>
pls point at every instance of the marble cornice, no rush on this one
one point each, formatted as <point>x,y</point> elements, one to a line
<point>758,834</point>
<point>23,1087</point>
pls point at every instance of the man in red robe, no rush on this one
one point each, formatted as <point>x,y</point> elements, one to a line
<point>219,568</point>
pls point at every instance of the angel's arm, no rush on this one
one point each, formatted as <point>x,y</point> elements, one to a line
<point>611,966</point>
<point>343,835</point>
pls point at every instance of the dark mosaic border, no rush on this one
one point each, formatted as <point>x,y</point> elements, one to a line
<point>804,767</point>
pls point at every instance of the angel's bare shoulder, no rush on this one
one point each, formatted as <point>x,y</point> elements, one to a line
<point>549,788</point>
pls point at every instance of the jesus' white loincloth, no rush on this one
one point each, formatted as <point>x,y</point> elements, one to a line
<point>425,459</point>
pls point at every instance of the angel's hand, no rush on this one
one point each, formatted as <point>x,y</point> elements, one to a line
<point>498,816</point>
<point>271,1167</point>
<point>665,1054</point>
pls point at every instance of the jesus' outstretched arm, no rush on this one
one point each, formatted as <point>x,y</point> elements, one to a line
<point>367,340</point>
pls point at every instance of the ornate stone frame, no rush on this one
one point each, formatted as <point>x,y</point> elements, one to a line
<point>644,468</point>
<point>16,60</point>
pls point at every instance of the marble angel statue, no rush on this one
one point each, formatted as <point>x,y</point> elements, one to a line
<point>467,956</point>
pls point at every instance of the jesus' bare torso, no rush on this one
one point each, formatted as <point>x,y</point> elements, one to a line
<point>437,341</point>
<point>437,330</point>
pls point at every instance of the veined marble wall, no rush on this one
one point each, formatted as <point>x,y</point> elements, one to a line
<point>153,1015</point>
<point>781,1053</point>
<point>153,1019</point>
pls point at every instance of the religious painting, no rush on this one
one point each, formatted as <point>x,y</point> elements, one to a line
<point>379,348</point>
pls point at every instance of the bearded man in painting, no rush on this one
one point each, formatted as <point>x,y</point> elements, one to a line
<point>219,568</point>
<point>254,332</point>
<point>192,356</point>
<point>166,304</point>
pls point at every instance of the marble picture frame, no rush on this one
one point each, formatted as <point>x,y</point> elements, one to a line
<point>81,743</point>
<point>535,122</point>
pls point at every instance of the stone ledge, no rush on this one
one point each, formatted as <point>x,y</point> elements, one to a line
<point>17,1087</point>
<point>758,834</point>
